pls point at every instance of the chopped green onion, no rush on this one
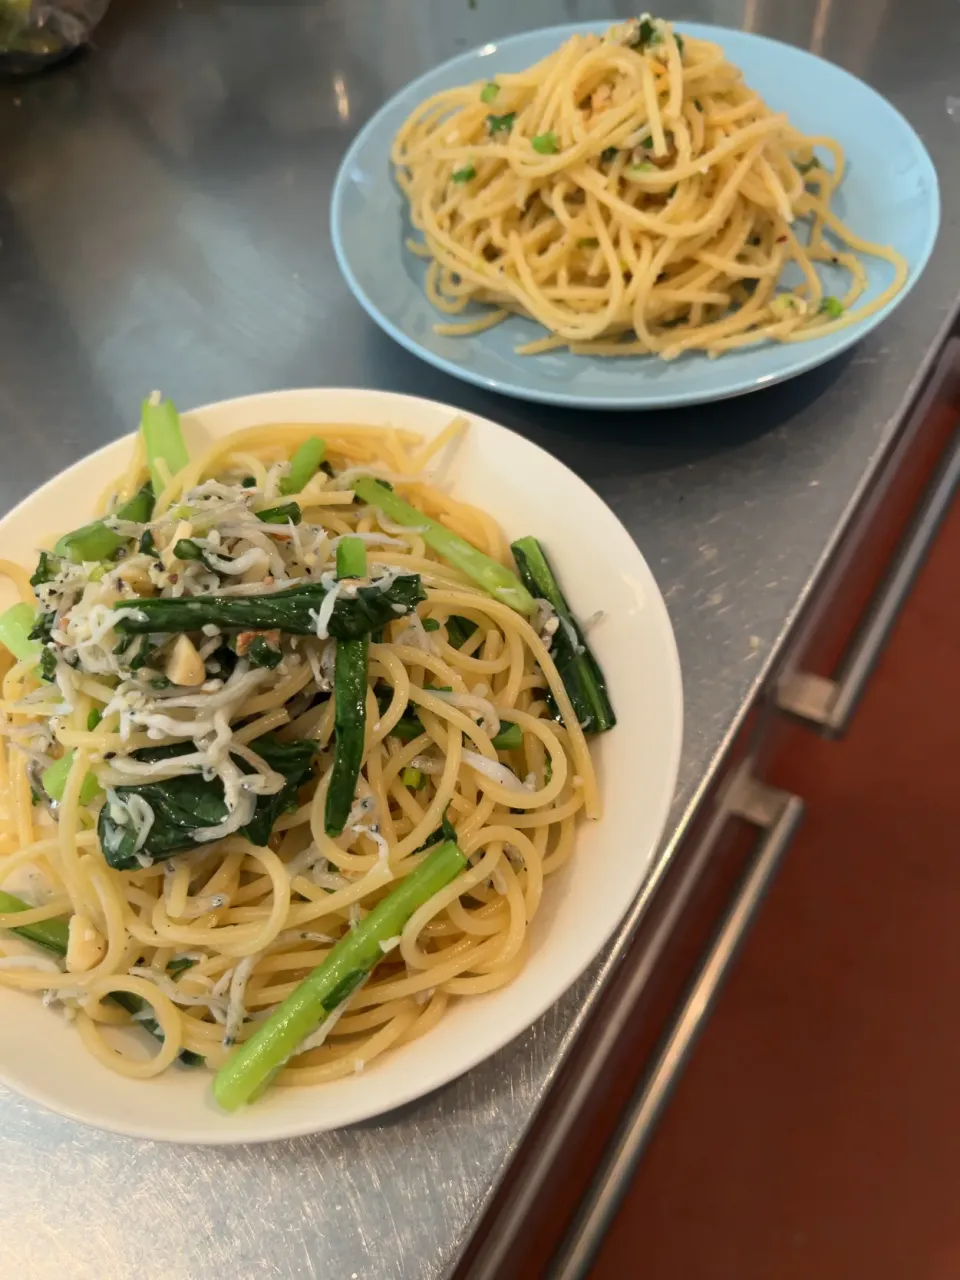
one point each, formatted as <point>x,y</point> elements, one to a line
<point>501,124</point>
<point>464,175</point>
<point>546,144</point>
<point>287,512</point>
<point>489,91</point>
<point>304,465</point>
<point>832,307</point>
<point>413,778</point>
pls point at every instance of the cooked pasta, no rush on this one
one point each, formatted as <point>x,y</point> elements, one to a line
<point>173,770</point>
<point>632,195</point>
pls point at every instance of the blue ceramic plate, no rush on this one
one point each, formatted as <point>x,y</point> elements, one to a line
<point>889,195</point>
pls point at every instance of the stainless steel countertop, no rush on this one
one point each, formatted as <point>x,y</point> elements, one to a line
<point>164,220</point>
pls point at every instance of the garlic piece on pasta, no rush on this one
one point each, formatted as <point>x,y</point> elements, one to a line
<point>86,945</point>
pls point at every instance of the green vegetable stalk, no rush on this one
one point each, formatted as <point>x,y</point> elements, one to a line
<point>351,558</point>
<point>303,466</point>
<point>349,703</point>
<point>54,781</point>
<point>578,668</point>
<point>251,1067</point>
<point>54,935</point>
<point>162,440</point>
<point>97,541</point>
<point>292,611</point>
<point>493,577</point>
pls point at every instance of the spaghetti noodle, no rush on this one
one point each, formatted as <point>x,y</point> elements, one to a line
<point>633,195</point>
<point>469,732</point>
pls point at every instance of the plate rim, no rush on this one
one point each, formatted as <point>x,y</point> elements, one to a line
<point>803,363</point>
<point>312,1121</point>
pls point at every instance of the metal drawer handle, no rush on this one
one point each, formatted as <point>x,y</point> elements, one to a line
<point>829,704</point>
<point>779,813</point>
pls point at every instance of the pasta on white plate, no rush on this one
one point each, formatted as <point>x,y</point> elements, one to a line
<point>291,740</point>
<point>632,195</point>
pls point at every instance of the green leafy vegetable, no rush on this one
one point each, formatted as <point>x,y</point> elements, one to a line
<point>608,153</point>
<point>292,611</point>
<point>48,663</point>
<point>647,34</point>
<point>48,567</point>
<point>147,545</point>
<point>579,670</point>
<point>349,706</point>
<point>413,778</point>
<point>832,307</point>
<point>262,654</point>
<point>459,631</point>
<point>304,465</point>
<point>93,719</point>
<point>179,964</point>
<point>97,541</point>
<point>501,124</point>
<point>431,624</point>
<point>498,581</point>
<point>185,804</point>
<point>251,1067</point>
<point>545,143</point>
<point>489,91</point>
<point>287,512</point>
<point>510,737</point>
<point>466,174</point>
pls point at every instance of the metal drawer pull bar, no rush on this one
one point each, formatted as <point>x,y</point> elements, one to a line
<point>779,813</point>
<point>830,703</point>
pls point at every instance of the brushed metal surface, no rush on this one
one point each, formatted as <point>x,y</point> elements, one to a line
<point>163,220</point>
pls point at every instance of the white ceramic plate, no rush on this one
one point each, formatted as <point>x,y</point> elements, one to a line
<point>529,492</point>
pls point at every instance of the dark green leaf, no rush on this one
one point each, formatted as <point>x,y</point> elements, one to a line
<point>147,545</point>
<point>287,512</point>
<point>179,964</point>
<point>48,662</point>
<point>263,654</point>
<point>292,611</point>
<point>183,805</point>
<point>48,567</point>
<point>431,624</point>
